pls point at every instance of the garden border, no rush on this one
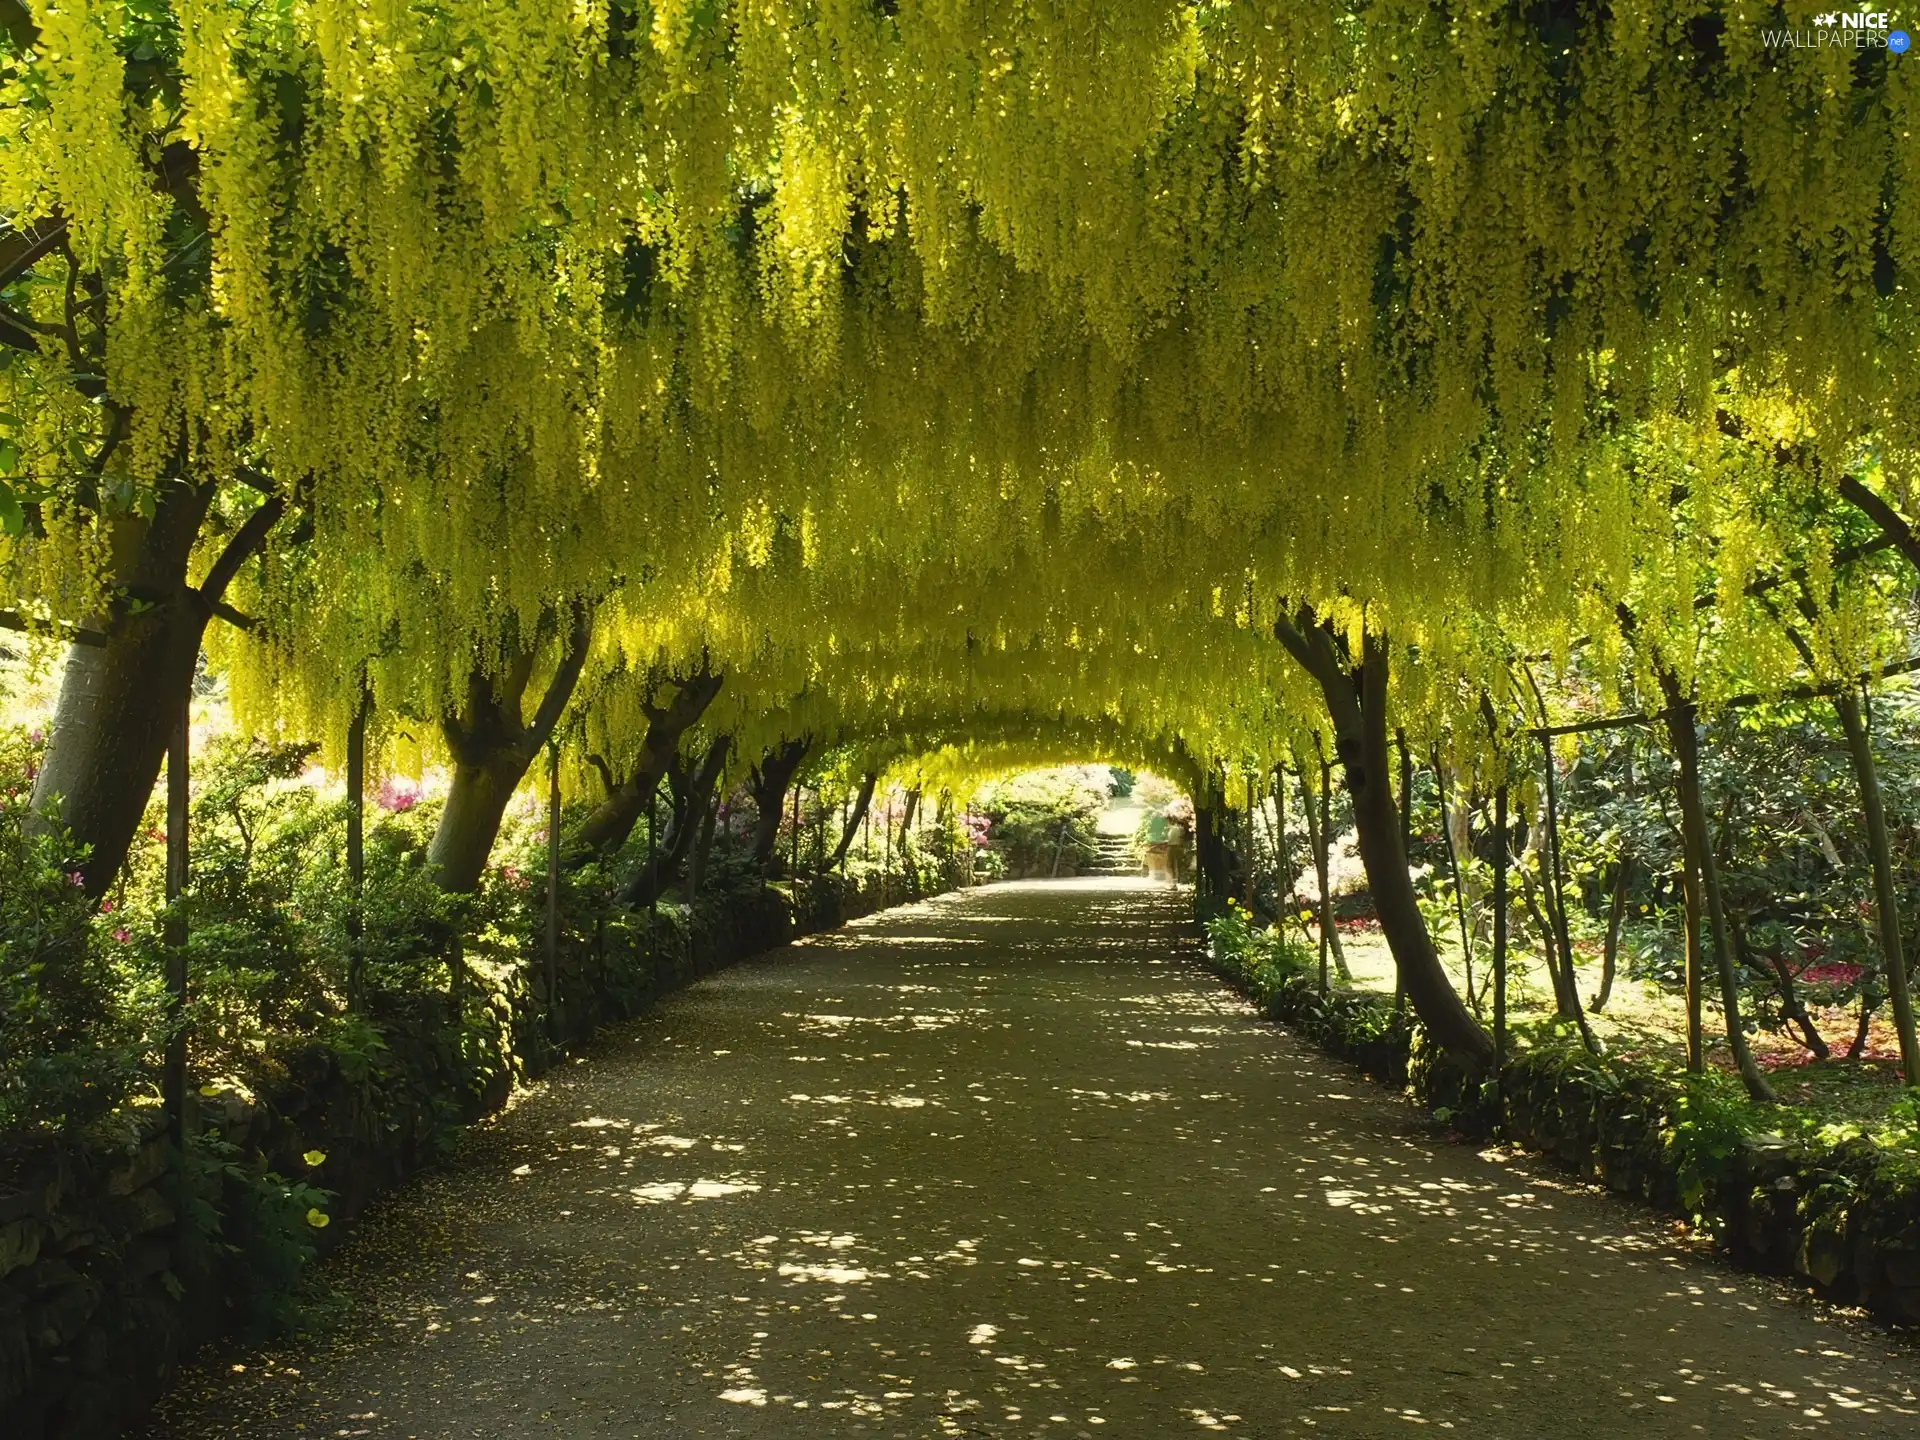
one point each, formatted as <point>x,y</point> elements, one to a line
<point>115,1263</point>
<point>1844,1221</point>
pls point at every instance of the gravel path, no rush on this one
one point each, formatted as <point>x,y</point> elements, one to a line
<point>1010,1164</point>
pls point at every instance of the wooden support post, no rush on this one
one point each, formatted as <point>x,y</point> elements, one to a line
<point>357,849</point>
<point>1502,857</point>
<point>553,889</point>
<point>174,1077</point>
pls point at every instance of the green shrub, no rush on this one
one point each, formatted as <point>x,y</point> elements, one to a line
<point>70,1028</point>
<point>1042,816</point>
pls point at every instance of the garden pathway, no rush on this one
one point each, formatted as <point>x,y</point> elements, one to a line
<point>1010,1163</point>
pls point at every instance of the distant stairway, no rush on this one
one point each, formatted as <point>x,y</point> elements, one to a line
<point>1114,858</point>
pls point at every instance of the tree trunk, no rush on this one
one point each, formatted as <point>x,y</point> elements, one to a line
<point>492,746</point>
<point>703,848</point>
<point>1566,984</point>
<point>173,1083</point>
<point>357,848</point>
<point>612,821</point>
<point>1886,897</point>
<point>1326,864</point>
<point>121,691</point>
<point>1323,909</point>
<point>552,948</point>
<point>768,782</point>
<point>906,818</point>
<point>1459,886</point>
<point>1695,972</point>
<point>1406,848</point>
<point>1502,858</point>
<point>1317,828</point>
<point>1356,699</point>
<point>1616,916</point>
<point>1791,1005</point>
<point>692,816</point>
<point>1700,858</point>
<point>860,804</point>
<point>1211,869</point>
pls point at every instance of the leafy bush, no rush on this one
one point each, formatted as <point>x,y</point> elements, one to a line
<point>70,1028</point>
<point>1042,815</point>
<point>1259,960</point>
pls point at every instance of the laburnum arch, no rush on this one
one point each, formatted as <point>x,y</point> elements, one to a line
<point>1201,376</point>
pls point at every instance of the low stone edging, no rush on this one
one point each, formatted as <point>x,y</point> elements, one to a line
<point>1843,1220</point>
<point>104,1289</point>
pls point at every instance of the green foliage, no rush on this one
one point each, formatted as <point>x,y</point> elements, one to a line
<point>71,1023</point>
<point>1710,1119</point>
<point>265,1230</point>
<point>1040,814</point>
<point>1259,960</point>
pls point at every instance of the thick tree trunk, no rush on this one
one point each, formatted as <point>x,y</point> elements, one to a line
<point>612,821</point>
<point>119,698</point>
<point>859,813</point>
<point>703,847</point>
<point>1680,717</point>
<point>911,808</point>
<point>1886,897</point>
<point>692,815</point>
<point>1356,700</point>
<point>492,747</point>
<point>768,782</point>
<point>1210,851</point>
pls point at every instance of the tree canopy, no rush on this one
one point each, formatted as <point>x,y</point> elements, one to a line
<point>932,368</point>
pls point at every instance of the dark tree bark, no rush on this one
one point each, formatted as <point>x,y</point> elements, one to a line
<point>173,1084</point>
<point>703,846</point>
<point>908,812</point>
<point>1891,523</point>
<point>552,948</point>
<point>612,821</point>
<point>1866,774</point>
<point>1886,898</point>
<point>119,697</point>
<point>1319,839</point>
<point>1459,885</point>
<point>492,745</point>
<point>768,782</point>
<point>859,813</point>
<point>1406,848</point>
<point>1565,978</point>
<point>1681,718</point>
<point>1616,916</point>
<point>1209,851</point>
<point>357,847</point>
<point>1502,858</point>
<point>692,817</point>
<point>1695,973</point>
<point>1356,699</point>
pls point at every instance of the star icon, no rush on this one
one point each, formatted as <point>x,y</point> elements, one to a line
<point>1825,21</point>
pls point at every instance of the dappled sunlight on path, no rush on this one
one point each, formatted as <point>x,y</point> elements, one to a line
<point>1009,1163</point>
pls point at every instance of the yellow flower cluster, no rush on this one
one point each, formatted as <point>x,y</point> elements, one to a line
<point>966,370</point>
